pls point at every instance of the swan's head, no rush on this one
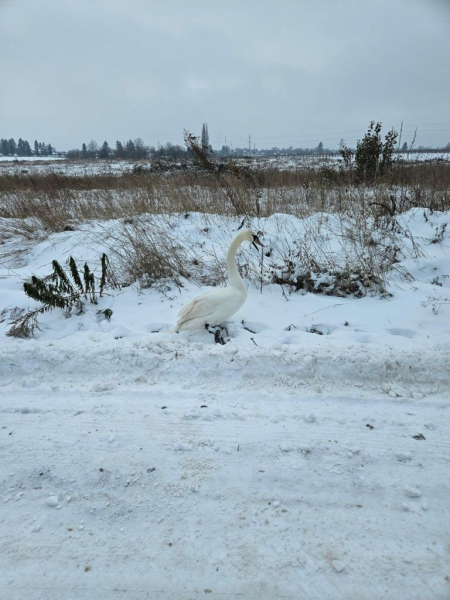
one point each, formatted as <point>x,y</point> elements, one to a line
<point>251,237</point>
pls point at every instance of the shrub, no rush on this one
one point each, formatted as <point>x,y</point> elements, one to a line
<point>62,289</point>
<point>368,254</point>
<point>372,157</point>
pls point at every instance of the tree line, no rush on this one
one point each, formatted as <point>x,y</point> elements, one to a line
<point>130,149</point>
<point>23,148</point>
<point>137,149</point>
<point>134,149</point>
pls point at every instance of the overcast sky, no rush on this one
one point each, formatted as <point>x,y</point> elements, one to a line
<point>288,72</point>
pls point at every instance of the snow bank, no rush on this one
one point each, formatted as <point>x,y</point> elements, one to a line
<point>94,361</point>
<point>399,345</point>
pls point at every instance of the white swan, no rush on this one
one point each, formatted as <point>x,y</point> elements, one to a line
<point>213,308</point>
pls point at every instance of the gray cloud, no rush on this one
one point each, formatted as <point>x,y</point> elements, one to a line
<point>288,72</point>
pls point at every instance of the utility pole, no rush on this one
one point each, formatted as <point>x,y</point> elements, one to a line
<point>400,136</point>
<point>249,144</point>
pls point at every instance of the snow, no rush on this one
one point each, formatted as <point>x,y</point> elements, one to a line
<point>61,165</point>
<point>176,506</point>
<point>285,464</point>
<point>338,565</point>
<point>412,492</point>
<point>52,501</point>
<point>58,164</point>
<point>404,456</point>
<point>29,159</point>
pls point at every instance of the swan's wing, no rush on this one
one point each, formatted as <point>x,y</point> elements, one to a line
<point>200,306</point>
<point>216,305</point>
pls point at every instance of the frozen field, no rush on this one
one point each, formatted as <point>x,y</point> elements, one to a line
<point>50,164</point>
<point>307,458</point>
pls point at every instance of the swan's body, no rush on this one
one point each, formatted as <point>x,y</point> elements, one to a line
<point>215,307</point>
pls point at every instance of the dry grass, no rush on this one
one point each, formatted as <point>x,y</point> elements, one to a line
<point>58,200</point>
<point>32,206</point>
<point>55,207</point>
<point>151,251</point>
<point>147,255</point>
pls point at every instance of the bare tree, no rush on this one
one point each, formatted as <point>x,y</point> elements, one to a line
<point>92,149</point>
<point>141,150</point>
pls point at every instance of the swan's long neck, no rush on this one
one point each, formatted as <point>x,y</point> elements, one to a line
<point>233,273</point>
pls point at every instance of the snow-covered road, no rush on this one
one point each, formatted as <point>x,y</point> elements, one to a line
<point>220,489</point>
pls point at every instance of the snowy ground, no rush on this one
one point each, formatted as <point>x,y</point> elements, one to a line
<point>29,159</point>
<point>156,490</point>
<point>52,164</point>
<point>49,164</point>
<point>307,458</point>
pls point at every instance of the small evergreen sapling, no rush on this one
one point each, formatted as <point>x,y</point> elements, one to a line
<point>62,290</point>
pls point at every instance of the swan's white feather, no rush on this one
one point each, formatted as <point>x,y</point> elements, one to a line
<point>211,308</point>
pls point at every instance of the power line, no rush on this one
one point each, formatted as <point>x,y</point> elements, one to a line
<point>351,135</point>
<point>430,133</point>
<point>350,139</point>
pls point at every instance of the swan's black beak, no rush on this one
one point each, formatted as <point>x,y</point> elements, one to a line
<point>256,241</point>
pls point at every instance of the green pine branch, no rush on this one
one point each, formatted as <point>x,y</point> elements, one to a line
<point>62,290</point>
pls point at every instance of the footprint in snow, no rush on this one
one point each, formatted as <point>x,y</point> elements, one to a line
<point>102,387</point>
<point>156,327</point>
<point>254,326</point>
<point>409,333</point>
<point>321,329</point>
